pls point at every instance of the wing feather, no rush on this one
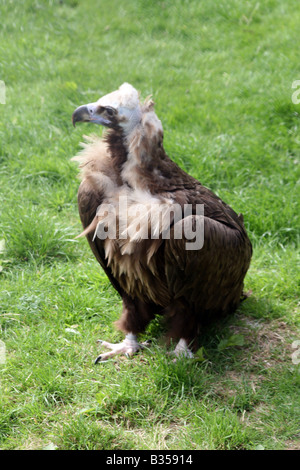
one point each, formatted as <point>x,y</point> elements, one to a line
<point>211,277</point>
<point>89,199</point>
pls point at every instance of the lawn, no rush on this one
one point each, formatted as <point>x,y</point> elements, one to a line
<point>221,74</point>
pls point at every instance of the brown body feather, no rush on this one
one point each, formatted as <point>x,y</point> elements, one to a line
<point>160,276</point>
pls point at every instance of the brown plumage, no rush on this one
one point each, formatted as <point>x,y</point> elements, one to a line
<point>154,275</point>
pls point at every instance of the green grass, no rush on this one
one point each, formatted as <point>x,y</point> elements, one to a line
<point>221,74</point>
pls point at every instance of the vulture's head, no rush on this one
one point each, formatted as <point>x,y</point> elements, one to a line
<point>119,109</point>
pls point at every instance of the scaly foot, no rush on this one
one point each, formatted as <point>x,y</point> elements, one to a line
<point>128,346</point>
<point>182,350</point>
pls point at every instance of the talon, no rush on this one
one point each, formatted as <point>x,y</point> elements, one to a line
<point>100,359</point>
<point>97,359</point>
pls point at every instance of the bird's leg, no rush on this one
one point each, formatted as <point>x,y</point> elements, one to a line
<point>128,346</point>
<point>182,349</point>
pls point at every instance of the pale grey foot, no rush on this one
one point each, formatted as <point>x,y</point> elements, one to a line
<point>182,350</point>
<point>128,346</point>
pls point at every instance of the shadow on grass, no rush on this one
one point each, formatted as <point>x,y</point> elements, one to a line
<point>234,356</point>
<point>234,353</point>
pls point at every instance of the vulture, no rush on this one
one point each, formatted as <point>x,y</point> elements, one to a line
<point>168,245</point>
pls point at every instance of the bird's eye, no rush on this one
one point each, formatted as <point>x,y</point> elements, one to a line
<point>110,111</point>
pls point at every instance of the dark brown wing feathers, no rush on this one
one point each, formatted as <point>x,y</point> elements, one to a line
<point>88,201</point>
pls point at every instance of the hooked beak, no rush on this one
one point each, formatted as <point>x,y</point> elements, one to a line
<point>89,113</point>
